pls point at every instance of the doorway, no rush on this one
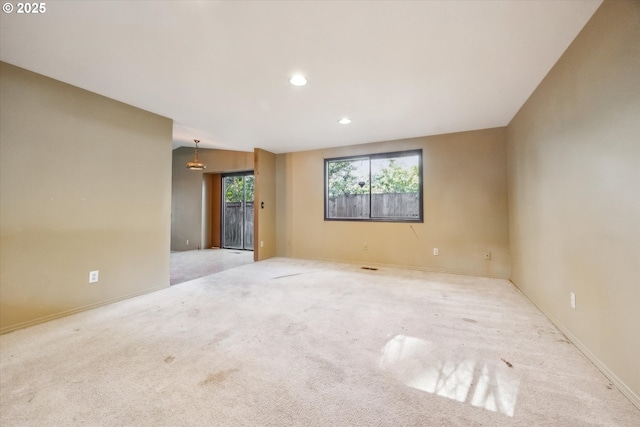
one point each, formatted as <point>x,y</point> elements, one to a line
<point>237,210</point>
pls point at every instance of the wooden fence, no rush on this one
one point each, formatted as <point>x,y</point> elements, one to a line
<point>387,205</point>
<point>233,220</point>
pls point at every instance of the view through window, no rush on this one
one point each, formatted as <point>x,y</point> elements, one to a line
<point>377,187</point>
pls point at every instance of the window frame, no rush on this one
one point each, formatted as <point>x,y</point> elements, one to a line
<point>370,157</point>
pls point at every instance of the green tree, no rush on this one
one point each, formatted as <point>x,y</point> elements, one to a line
<point>343,179</point>
<point>235,188</point>
<point>395,178</point>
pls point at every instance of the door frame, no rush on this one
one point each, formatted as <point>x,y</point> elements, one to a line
<point>244,213</point>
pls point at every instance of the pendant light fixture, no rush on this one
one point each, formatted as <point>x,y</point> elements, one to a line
<point>196,165</point>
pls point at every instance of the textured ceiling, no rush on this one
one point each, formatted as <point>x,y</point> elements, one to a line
<point>220,69</point>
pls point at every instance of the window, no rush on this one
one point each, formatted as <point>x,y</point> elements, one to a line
<point>377,187</point>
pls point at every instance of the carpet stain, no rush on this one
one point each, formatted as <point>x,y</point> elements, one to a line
<point>311,385</point>
<point>169,359</point>
<point>286,275</point>
<point>220,336</point>
<point>329,370</point>
<point>314,306</point>
<point>509,364</point>
<point>469,320</point>
<point>295,328</point>
<point>218,377</point>
<point>194,312</point>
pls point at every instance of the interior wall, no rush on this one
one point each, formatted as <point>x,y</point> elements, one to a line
<point>284,206</point>
<point>85,185</point>
<point>465,208</point>
<point>574,193</point>
<point>216,209</point>
<point>207,210</point>
<point>265,205</point>
<point>187,220</point>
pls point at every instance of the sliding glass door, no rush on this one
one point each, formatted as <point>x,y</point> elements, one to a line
<point>237,211</point>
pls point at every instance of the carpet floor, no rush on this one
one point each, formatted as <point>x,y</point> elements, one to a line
<point>189,265</point>
<point>289,342</point>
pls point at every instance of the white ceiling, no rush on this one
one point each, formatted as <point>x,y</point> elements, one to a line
<point>220,70</point>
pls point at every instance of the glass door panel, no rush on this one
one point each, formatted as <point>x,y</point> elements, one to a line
<point>237,211</point>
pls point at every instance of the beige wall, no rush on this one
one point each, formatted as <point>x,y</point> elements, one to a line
<point>85,185</point>
<point>188,215</point>
<point>574,193</point>
<point>215,207</point>
<point>284,205</point>
<point>465,208</point>
<point>265,216</point>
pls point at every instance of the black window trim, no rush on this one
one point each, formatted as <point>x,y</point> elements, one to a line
<point>404,153</point>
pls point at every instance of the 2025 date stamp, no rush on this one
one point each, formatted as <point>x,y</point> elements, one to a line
<point>26,8</point>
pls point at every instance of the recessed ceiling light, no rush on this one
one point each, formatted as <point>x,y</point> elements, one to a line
<point>344,121</point>
<point>298,80</point>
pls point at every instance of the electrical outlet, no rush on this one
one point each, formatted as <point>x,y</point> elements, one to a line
<point>365,246</point>
<point>435,251</point>
<point>573,300</point>
<point>261,243</point>
<point>93,276</point>
<point>187,242</point>
<point>487,255</point>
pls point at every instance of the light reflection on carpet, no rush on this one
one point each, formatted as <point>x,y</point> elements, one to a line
<point>412,361</point>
